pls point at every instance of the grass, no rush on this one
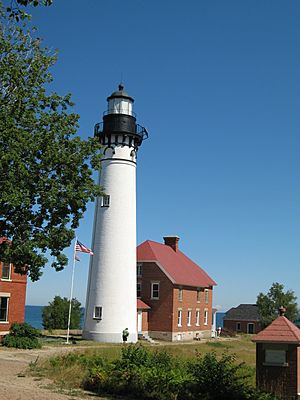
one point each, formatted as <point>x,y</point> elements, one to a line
<point>68,372</point>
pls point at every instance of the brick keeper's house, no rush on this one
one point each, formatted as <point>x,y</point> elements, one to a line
<point>174,294</point>
<point>12,296</point>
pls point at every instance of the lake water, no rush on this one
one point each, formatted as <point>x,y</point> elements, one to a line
<point>33,316</point>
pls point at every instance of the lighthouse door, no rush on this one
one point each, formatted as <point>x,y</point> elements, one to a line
<point>139,321</point>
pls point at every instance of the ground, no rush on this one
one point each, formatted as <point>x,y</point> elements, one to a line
<point>16,385</point>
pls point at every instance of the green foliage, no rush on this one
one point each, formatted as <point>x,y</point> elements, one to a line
<point>268,304</point>
<point>46,171</point>
<point>55,315</point>
<point>17,13</point>
<point>215,378</point>
<point>22,336</point>
<point>160,376</point>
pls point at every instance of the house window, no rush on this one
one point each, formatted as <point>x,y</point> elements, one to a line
<point>189,317</point>
<point>205,317</point>
<point>6,270</point>
<point>98,312</point>
<point>206,296</point>
<point>180,294</point>
<point>139,269</point>
<point>198,295</point>
<point>105,201</point>
<point>197,317</point>
<point>138,290</point>
<point>155,290</point>
<point>3,309</point>
<point>179,318</point>
<point>238,326</point>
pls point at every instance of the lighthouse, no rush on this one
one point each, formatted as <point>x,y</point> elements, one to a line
<point>111,291</point>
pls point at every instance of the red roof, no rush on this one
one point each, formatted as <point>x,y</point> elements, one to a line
<point>140,305</point>
<point>281,330</point>
<point>178,267</point>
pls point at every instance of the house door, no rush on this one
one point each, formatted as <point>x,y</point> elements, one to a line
<point>140,321</point>
<point>250,328</point>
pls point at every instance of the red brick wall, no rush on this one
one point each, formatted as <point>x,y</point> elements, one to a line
<point>17,289</point>
<point>189,302</point>
<point>279,380</point>
<point>231,325</point>
<point>160,314</point>
<point>163,313</point>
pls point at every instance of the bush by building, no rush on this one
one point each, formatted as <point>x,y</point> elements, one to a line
<point>22,336</point>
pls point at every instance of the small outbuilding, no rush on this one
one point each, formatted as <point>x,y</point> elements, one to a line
<point>242,319</point>
<point>278,358</point>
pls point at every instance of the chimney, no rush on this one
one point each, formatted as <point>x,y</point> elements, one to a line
<point>172,241</point>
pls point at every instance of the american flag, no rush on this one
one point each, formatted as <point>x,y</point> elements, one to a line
<point>83,249</point>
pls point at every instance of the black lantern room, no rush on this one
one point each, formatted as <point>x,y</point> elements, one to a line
<point>119,122</point>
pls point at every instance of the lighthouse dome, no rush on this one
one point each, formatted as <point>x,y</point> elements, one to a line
<point>120,93</point>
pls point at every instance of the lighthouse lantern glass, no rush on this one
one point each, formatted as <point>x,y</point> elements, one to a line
<point>120,105</point>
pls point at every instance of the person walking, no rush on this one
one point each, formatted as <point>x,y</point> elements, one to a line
<point>125,335</point>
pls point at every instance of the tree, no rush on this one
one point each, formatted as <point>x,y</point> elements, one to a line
<point>55,315</point>
<point>268,304</point>
<point>15,12</point>
<point>45,170</point>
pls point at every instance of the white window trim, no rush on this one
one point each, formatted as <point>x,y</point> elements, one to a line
<point>180,294</point>
<point>9,278</point>
<point>152,284</point>
<point>189,317</point>
<point>198,294</point>
<point>7,309</point>
<point>139,283</point>
<point>206,296</point>
<point>179,317</point>
<point>105,201</point>
<point>250,323</point>
<point>197,317</point>
<point>205,316</point>
<point>139,269</point>
<point>101,314</point>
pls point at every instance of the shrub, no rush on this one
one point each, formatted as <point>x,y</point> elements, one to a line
<point>221,379</point>
<point>22,336</point>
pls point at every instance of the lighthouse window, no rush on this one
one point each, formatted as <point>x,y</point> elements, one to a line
<point>98,312</point>
<point>105,201</point>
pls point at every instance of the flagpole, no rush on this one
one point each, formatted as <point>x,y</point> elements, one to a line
<point>71,293</point>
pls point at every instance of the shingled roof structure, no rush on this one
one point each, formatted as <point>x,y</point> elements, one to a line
<point>244,312</point>
<point>281,330</point>
<point>177,266</point>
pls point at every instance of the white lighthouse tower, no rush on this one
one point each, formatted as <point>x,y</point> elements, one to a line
<point>111,293</point>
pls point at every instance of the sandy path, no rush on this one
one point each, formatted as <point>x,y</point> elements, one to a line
<point>15,385</point>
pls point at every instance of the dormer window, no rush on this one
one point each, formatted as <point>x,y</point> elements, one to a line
<point>105,201</point>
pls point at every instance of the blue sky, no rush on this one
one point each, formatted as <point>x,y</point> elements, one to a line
<point>217,85</point>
